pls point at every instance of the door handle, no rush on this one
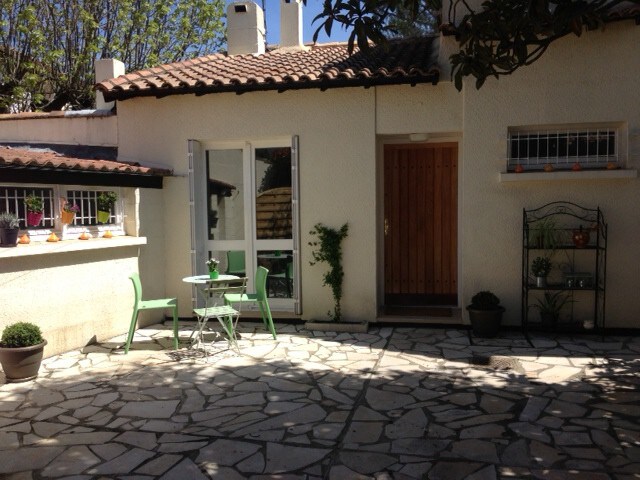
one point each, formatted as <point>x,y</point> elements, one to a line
<point>386,227</point>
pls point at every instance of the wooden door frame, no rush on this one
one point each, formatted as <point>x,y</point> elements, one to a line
<point>403,139</point>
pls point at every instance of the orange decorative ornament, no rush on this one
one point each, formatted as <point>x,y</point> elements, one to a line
<point>576,167</point>
<point>548,167</point>
<point>107,234</point>
<point>84,236</point>
<point>53,237</point>
<point>24,239</point>
<point>612,166</point>
<point>519,169</point>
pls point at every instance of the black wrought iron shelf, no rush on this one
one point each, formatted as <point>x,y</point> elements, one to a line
<point>582,233</point>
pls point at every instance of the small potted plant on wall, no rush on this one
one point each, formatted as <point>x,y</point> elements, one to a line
<point>21,350</point>
<point>485,314</point>
<point>540,268</point>
<point>34,209</point>
<point>69,211</point>
<point>106,201</point>
<point>9,228</point>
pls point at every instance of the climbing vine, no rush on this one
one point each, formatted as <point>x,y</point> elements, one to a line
<point>328,249</point>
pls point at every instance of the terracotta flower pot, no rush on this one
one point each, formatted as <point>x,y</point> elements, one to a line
<point>67,217</point>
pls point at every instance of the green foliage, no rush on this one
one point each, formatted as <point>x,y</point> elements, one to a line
<point>544,233</point>
<point>9,220</point>
<point>485,300</point>
<point>552,303</point>
<point>48,49</point>
<point>541,266</point>
<point>21,334</point>
<point>496,40</point>
<point>33,203</point>
<point>328,249</point>
<point>106,200</point>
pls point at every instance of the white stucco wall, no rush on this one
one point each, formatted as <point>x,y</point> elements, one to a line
<point>591,79</point>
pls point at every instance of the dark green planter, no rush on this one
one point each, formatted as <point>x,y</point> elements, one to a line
<point>21,364</point>
<point>485,323</point>
<point>9,237</point>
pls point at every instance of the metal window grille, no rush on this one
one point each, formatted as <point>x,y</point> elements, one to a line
<point>591,148</point>
<point>12,200</point>
<point>87,200</point>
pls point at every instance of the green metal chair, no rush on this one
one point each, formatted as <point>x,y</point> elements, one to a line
<point>225,314</point>
<point>235,263</point>
<point>139,304</point>
<point>260,297</point>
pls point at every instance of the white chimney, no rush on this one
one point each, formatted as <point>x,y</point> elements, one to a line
<point>291,23</point>
<point>245,28</point>
<point>106,68</point>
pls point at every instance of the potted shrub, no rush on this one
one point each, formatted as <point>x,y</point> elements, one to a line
<point>540,268</point>
<point>550,306</point>
<point>545,234</point>
<point>9,229</point>
<point>35,208</point>
<point>106,201</point>
<point>485,314</point>
<point>21,349</point>
<point>212,265</point>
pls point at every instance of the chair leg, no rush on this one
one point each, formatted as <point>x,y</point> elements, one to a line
<point>267,310</point>
<point>175,327</point>
<point>132,327</point>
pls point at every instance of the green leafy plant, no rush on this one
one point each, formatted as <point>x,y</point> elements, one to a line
<point>544,233</point>
<point>33,203</point>
<point>485,300</point>
<point>328,249</point>
<point>541,266</point>
<point>212,264</point>
<point>106,200</point>
<point>551,304</point>
<point>9,220</point>
<point>21,334</point>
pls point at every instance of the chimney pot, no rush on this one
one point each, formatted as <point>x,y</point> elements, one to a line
<point>106,68</point>
<point>291,23</point>
<point>245,28</point>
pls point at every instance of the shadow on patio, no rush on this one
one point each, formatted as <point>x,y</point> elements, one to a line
<point>399,403</point>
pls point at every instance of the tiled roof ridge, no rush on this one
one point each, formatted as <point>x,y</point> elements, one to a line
<point>405,61</point>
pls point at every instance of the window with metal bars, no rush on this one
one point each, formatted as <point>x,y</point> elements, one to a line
<point>12,201</point>
<point>562,149</point>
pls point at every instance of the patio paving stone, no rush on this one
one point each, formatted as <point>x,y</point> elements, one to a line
<point>394,403</point>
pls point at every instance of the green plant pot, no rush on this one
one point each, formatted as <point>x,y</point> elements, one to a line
<point>214,274</point>
<point>103,217</point>
<point>21,364</point>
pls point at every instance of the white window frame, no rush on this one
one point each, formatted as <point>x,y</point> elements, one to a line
<point>72,232</point>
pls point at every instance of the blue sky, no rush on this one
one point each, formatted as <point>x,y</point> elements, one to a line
<point>309,12</point>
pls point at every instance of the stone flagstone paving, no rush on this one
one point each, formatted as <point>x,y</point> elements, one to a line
<point>395,403</point>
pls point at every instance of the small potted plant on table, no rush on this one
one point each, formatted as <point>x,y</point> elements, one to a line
<point>106,201</point>
<point>21,349</point>
<point>9,228</point>
<point>212,265</point>
<point>35,210</point>
<point>485,314</point>
<point>540,268</point>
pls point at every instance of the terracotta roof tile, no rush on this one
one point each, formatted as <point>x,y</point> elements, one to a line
<point>44,158</point>
<point>325,66</point>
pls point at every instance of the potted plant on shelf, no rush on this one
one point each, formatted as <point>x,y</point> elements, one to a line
<point>69,211</point>
<point>544,234</point>
<point>550,306</point>
<point>21,349</point>
<point>106,201</point>
<point>485,314</point>
<point>9,228</point>
<point>212,265</point>
<point>540,268</point>
<point>35,208</point>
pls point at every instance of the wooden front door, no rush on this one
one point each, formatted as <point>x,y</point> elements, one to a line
<point>420,224</point>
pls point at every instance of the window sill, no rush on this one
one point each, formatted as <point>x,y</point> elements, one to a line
<point>568,175</point>
<point>63,246</point>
